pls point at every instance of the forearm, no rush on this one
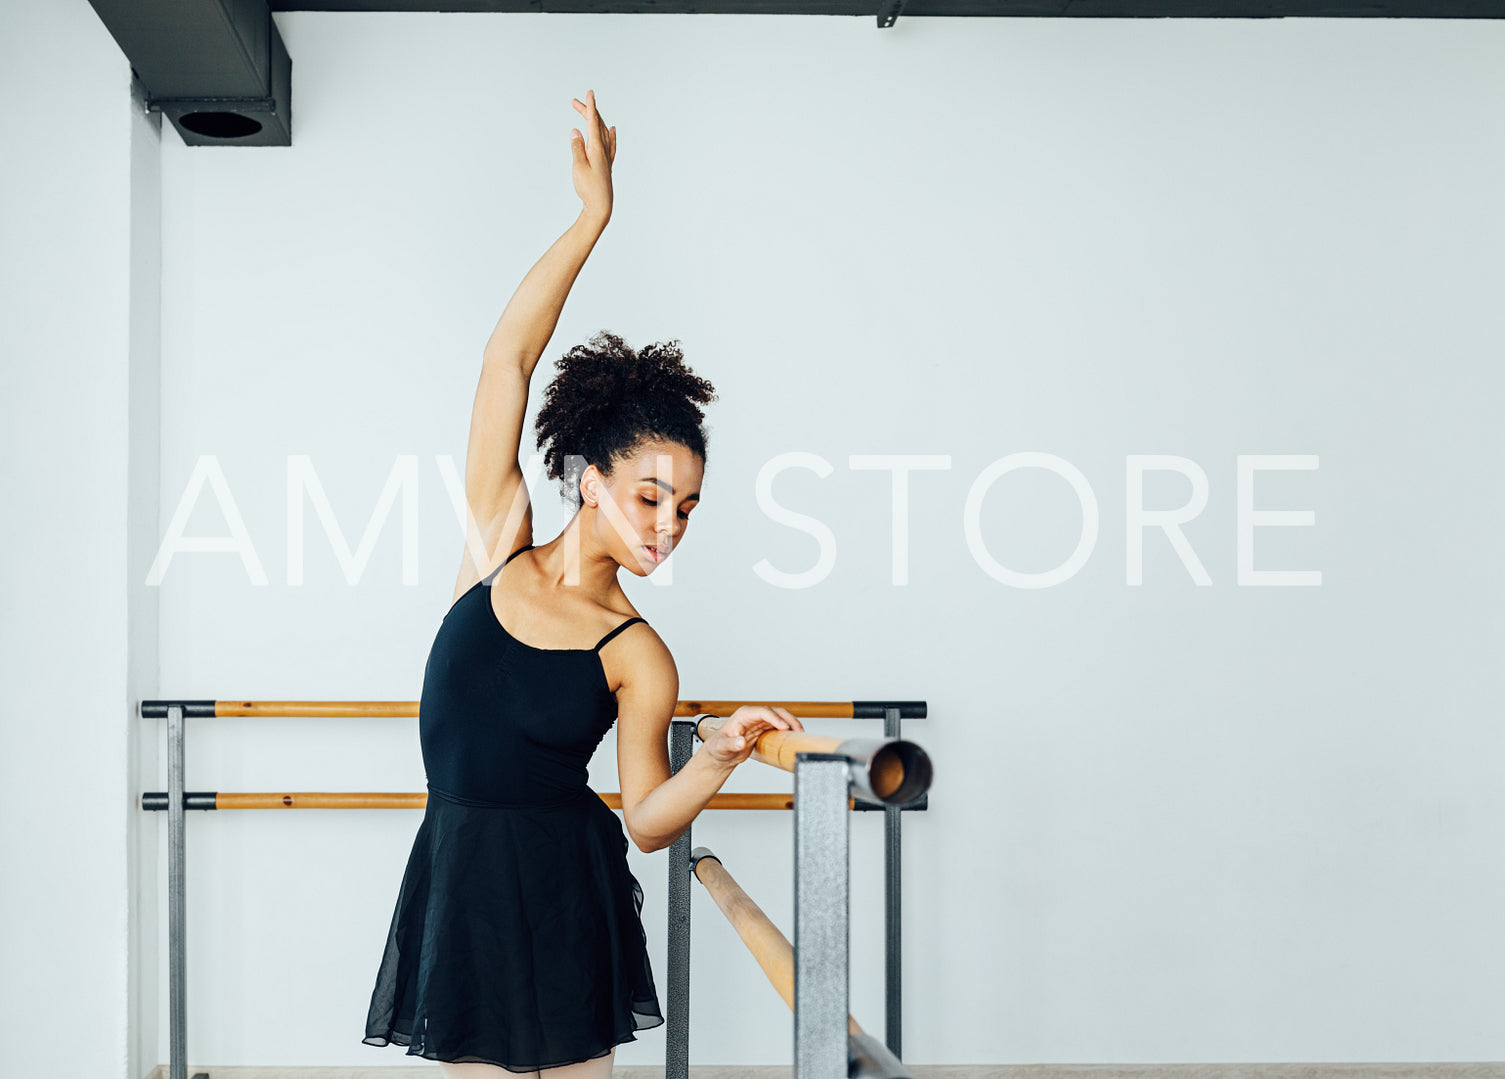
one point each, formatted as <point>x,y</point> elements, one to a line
<point>667,811</point>
<point>528,321</point>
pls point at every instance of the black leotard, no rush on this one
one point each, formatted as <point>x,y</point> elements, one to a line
<point>517,939</point>
<point>505,723</point>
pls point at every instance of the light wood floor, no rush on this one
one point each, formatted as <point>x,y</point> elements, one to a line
<point>950,1071</point>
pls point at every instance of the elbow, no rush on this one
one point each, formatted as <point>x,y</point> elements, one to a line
<point>646,844</point>
<point>642,842</point>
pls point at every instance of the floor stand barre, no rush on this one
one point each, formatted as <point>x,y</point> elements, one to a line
<point>176,801</point>
<point>894,772</point>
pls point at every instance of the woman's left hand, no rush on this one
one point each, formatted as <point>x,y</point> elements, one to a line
<point>733,742</point>
<point>593,155</point>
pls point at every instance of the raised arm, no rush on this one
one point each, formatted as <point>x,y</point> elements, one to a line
<point>494,487</point>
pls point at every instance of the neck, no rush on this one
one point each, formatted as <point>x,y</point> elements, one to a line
<point>574,559</point>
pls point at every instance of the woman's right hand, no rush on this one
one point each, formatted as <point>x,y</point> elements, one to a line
<point>733,742</point>
<point>593,155</point>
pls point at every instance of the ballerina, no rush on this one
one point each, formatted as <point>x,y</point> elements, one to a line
<point>517,944</point>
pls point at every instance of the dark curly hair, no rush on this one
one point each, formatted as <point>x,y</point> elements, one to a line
<point>607,399</point>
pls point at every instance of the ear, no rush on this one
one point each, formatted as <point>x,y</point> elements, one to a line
<point>590,485</point>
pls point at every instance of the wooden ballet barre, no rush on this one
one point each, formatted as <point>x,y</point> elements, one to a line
<point>767,944</point>
<point>403,800</point>
<point>867,1057</point>
<point>321,709</point>
<point>891,771</point>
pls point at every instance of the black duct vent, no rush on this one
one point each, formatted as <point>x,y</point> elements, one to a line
<point>216,68</point>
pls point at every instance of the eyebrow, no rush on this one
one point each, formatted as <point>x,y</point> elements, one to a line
<point>654,479</point>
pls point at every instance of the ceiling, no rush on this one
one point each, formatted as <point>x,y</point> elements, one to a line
<point>218,70</point>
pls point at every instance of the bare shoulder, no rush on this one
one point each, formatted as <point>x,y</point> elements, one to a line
<point>639,665</point>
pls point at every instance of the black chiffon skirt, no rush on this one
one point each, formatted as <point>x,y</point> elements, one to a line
<point>517,939</point>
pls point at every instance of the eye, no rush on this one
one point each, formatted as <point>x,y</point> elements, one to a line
<point>650,502</point>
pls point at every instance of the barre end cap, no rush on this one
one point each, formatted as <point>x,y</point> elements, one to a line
<point>699,854</point>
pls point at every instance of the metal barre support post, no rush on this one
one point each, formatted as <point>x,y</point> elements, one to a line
<point>893,941</point>
<point>677,1034</point>
<point>821,907</point>
<point>177,899</point>
<point>177,997</point>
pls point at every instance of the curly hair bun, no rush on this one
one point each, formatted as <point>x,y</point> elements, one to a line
<point>606,399</point>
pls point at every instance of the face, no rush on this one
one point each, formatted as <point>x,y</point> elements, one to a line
<point>651,498</point>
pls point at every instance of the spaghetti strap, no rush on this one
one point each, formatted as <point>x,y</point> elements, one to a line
<point>492,575</point>
<point>619,629</point>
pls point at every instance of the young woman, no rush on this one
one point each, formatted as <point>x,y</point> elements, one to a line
<point>516,944</point>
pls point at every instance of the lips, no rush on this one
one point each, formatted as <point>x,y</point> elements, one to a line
<point>658,554</point>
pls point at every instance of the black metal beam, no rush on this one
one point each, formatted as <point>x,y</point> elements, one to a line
<point>216,68</point>
<point>219,71</point>
<point>867,9</point>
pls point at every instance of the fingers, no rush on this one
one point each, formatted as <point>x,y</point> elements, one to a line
<point>744,727</point>
<point>783,719</point>
<point>760,719</point>
<point>602,137</point>
<point>739,731</point>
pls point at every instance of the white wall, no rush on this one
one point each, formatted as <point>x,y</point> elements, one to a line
<point>1170,823</point>
<point>78,419</point>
